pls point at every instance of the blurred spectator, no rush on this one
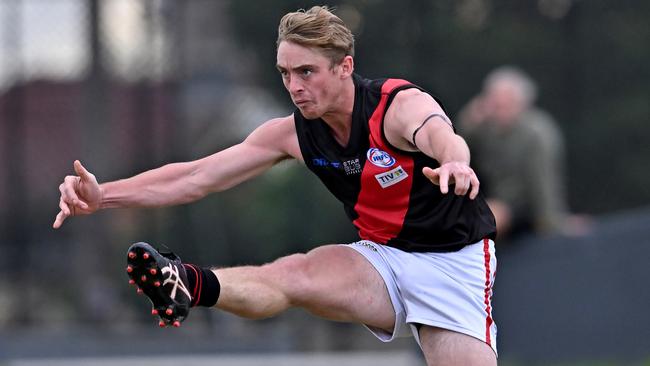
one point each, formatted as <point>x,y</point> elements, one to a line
<point>518,151</point>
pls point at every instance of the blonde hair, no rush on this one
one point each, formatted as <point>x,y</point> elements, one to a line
<point>319,28</point>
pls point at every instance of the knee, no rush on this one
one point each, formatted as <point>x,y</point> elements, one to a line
<point>295,277</point>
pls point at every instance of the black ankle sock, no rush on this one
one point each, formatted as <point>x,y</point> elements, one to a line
<point>203,284</point>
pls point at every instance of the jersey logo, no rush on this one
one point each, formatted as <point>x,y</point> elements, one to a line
<point>322,162</point>
<point>380,158</point>
<point>352,166</point>
<point>391,177</point>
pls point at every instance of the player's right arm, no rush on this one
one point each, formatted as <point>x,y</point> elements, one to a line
<point>185,182</point>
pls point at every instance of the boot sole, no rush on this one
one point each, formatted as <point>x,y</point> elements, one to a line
<point>145,270</point>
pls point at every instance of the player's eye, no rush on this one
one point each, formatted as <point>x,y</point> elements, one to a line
<point>306,72</point>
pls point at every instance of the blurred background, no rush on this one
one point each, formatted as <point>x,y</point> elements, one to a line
<point>128,85</point>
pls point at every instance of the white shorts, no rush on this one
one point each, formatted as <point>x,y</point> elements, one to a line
<point>445,290</point>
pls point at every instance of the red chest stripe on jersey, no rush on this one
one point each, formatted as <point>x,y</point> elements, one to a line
<point>382,210</point>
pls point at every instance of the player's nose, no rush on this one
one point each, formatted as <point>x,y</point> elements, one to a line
<point>295,87</point>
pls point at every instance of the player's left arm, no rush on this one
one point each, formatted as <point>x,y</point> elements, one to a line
<point>415,121</point>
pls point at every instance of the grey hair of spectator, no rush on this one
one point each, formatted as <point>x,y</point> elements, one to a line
<point>515,76</point>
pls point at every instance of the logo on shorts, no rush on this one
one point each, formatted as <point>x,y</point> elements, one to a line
<point>391,177</point>
<point>367,244</point>
<point>380,158</point>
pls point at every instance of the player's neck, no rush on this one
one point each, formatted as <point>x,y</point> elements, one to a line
<point>339,119</point>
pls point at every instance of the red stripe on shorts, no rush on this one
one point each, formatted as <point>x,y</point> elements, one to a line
<point>488,291</point>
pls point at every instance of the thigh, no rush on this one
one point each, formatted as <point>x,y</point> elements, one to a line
<point>446,347</point>
<point>342,285</point>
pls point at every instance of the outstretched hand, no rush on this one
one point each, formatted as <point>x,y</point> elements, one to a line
<point>457,173</point>
<point>80,195</point>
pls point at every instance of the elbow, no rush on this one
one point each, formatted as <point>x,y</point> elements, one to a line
<point>195,187</point>
<point>199,187</point>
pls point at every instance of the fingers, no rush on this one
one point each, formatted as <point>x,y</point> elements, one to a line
<point>443,180</point>
<point>463,181</point>
<point>82,172</point>
<point>70,202</point>
<point>459,174</point>
<point>65,212</point>
<point>62,215</point>
<point>58,221</point>
<point>68,191</point>
<point>475,187</point>
<point>431,174</point>
<point>64,207</point>
<point>439,177</point>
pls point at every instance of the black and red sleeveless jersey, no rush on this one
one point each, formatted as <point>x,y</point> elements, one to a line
<point>382,188</point>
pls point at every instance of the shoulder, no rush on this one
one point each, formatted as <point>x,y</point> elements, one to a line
<point>406,113</point>
<point>382,86</point>
<point>411,95</point>
<point>408,102</point>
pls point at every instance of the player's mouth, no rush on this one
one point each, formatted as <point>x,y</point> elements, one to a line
<point>301,103</point>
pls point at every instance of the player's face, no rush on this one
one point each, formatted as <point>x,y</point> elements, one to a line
<point>310,79</point>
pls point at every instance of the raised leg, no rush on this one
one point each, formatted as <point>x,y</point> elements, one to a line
<point>333,281</point>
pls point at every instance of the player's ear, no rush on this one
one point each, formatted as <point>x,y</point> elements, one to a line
<point>347,66</point>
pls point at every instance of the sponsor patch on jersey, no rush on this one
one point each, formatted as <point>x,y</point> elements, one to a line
<point>322,162</point>
<point>352,166</point>
<point>391,177</point>
<point>380,158</point>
